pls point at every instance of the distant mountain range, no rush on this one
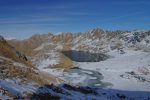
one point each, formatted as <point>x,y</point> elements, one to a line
<point>95,40</point>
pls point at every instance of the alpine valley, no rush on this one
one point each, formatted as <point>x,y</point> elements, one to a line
<point>94,65</point>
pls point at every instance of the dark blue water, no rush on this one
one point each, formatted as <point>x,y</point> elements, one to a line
<point>82,56</point>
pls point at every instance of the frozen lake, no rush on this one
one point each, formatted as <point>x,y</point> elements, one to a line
<point>84,56</point>
<point>85,77</point>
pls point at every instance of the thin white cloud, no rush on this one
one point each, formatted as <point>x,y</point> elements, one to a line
<point>32,20</point>
<point>121,16</point>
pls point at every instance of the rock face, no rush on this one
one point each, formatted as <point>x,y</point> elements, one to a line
<point>1,38</point>
<point>8,51</point>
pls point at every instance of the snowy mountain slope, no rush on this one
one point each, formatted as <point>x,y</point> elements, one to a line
<point>8,51</point>
<point>18,77</point>
<point>126,70</point>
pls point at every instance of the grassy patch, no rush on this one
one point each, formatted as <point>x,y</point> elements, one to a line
<point>65,62</point>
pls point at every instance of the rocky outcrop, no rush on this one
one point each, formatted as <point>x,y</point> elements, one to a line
<point>8,51</point>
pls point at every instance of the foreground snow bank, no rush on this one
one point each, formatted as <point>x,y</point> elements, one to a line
<point>15,89</point>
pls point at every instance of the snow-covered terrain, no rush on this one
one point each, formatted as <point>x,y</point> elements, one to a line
<point>101,66</point>
<point>51,59</point>
<point>17,90</point>
<point>127,70</point>
<point>116,70</point>
<point>124,76</point>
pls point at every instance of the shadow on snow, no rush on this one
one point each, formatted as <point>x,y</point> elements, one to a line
<point>68,92</point>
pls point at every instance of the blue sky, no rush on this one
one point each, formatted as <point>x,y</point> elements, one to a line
<point>23,18</point>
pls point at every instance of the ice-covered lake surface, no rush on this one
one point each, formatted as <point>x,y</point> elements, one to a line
<point>85,77</point>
